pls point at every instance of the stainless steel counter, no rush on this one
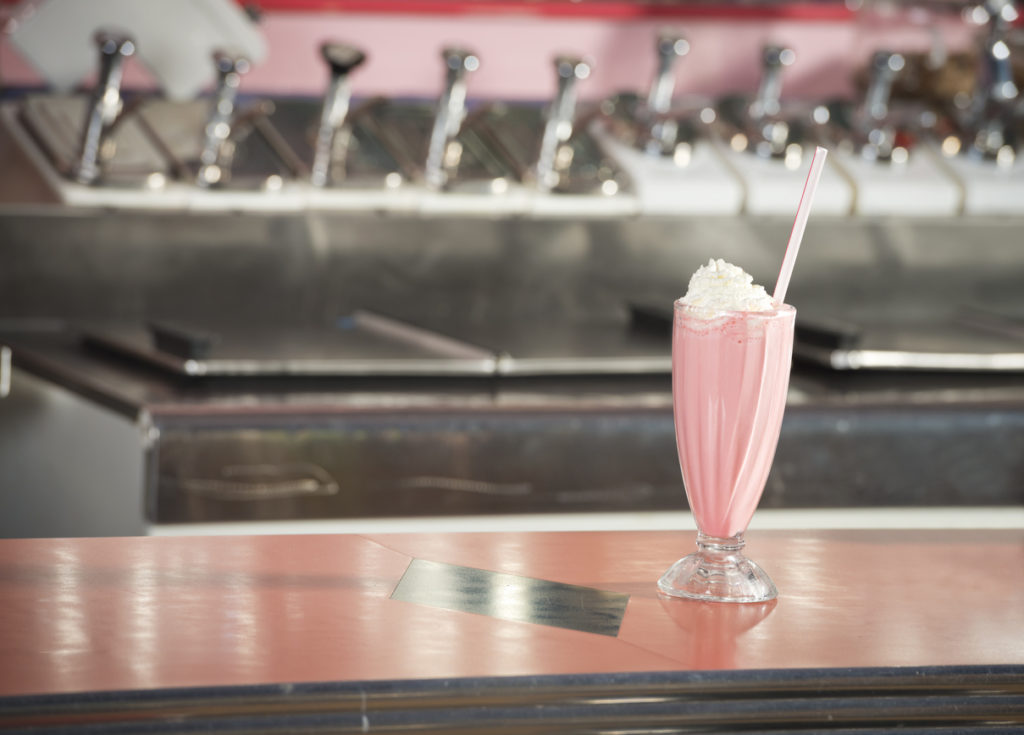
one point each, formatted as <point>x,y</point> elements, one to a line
<point>594,437</point>
<point>287,449</point>
<point>310,268</point>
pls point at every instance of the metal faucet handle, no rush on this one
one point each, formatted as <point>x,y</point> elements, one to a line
<point>230,67</point>
<point>885,67</point>
<point>875,134</point>
<point>460,60</point>
<point>670,47</point>
<point>992,120</point>
<point>457,61</point>
<point>887,63</point>
<point>113,43</point>
<point>773,60</point>
<point>569,70</point>
<point>558,127</point>
<point>671,44</point>
<point>775,55</point>
<point>442,155</point>
<point>114,48</point>
<point>342,59</point>
<point>571,67</point>
<point>997,83</point>
<point>105,105</point>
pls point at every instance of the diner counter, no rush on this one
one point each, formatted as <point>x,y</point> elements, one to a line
<point>383,631</point>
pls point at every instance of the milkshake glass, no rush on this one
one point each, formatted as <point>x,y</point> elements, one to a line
<point>730,375</point>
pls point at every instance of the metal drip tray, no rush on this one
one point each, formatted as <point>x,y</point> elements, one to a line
<point>531,347</point>
<point>965,341</point>
<point>367,344</point>
<point>359,345</point>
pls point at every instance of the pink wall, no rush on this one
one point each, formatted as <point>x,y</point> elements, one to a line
<point>516,52</point>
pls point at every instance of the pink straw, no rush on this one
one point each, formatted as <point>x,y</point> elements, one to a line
<point>799,224</point>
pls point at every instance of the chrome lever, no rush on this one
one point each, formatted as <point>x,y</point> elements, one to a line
<point>560,116</point>
<point>670,48</point>
<point>773,60</point>
<point>106,103</point>
<point>878,141</point>
<point>342,59</point>
<point>451,110</point>
<point>885,67</point>
<point>662,132</point>
<point>230,68</point>
<point>997,94</point>
<point>997,98</point>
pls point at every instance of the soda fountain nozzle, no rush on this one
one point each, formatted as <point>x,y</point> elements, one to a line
<point>106,103</point>
<point>560,115</point>
<point>341,59</point>
<point>773,60</point>
<point>670,48</point>
<point>230,68</point>
<point>451,110</point>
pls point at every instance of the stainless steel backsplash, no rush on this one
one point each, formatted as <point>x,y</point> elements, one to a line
<point>313,267</point>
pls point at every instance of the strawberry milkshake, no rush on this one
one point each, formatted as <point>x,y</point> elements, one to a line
<point>731,352</point>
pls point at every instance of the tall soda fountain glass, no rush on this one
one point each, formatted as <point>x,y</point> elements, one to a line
<point>732,347</point>
<point>730,375</point>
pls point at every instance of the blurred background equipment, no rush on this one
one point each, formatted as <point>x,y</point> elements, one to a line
<point>335,267</point>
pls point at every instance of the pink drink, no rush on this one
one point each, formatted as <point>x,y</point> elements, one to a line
<point>730,376</point>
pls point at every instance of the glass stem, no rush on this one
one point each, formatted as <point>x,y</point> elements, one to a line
<point>720,551</point>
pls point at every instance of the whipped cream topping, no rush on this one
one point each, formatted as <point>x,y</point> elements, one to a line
<point>721,286</point>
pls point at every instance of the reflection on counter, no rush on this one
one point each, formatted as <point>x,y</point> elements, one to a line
<point>511,597</point>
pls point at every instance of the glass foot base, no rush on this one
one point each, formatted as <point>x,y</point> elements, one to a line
<point>718,572</point>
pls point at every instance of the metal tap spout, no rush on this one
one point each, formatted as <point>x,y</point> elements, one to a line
<point>560,117</point>
<point>996,93</point>
<point>885,66</point>
<point>105,106</point>
<point>662,130</point>
<point>451,111</point>
<point>341,58</point>
<point>230,68</point>
<point>773,60</point>
<point>670,48</point>
<point>872,121</point>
